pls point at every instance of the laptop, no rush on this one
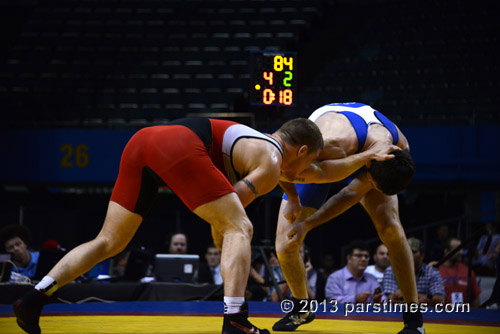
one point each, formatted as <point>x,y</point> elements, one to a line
<point>176,268</point>
<point>5,268</point>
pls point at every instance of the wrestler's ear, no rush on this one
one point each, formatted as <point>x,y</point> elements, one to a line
<point>302,151</point>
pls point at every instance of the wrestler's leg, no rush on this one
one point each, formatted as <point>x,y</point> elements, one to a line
<point>119,227</point>
<point>287,250</point>
<point>228,218</point>
<point>384,213</point>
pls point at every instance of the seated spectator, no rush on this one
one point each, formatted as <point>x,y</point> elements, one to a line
<point>484,261</point>
<point>178,243</point>
<point>455,276</point>
<point>352,284</point>
<point>209,272</point>
<point>381,259</point>
<point>120,262</point>
<point>258,280</point>
<point>494,301</point>
<point>430,286</point>
<point>436,246</point>
<point>15,239</point>
<point>327,266</point>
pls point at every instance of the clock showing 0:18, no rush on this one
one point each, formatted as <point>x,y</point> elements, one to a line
<point>273,79</point>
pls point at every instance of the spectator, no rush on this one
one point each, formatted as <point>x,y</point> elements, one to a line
<point>120,263</point>
<point>381,259</point>
<point>484,261</point>
<point>327,265</point>
<point>15,240</point>
<point>494,301</point>
<point>352,284</point>
<point>429,282</point>
<point>259,280</point>
<point>210,272</point>
<point>455,276</point>
<point>437,246</point>
<point>177,243</point>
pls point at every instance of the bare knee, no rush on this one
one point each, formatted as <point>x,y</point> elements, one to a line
<point>286,247</point>
<point>392,235</point>
<point>243,228</point>
<point>109,245</point>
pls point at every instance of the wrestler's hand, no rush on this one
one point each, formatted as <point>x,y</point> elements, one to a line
<point>292,210</point>
<point>297,232</point>
<point>380,151</point>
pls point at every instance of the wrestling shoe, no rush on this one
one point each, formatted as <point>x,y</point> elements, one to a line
<point>238,323</point>
<point>28,309</point>
<point>414,323</point>
<point>293,319</point>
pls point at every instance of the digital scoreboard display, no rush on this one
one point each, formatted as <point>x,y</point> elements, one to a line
<point>273,80</point>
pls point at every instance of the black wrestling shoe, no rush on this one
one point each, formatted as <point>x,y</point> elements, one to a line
<point>414,323</point>
<point>238,323</point>
<point>293,319</point>
<point>28,309</point>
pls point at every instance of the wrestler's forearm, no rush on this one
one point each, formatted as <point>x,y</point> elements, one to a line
<point>332,208</point>
<point>334,170</point>
<point>290,190</point>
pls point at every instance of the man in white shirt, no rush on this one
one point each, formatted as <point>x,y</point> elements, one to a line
<point>381,259</point>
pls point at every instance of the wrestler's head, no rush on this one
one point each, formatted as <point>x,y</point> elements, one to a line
<point>303,142</point>
<point>393,176</point>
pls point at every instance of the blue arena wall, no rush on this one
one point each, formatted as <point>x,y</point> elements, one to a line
<point>442,154</point>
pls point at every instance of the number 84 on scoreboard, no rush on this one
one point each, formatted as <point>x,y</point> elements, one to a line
<point>273,79</point>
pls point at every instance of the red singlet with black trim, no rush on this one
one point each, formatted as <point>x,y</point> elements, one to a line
<point>190,156</point>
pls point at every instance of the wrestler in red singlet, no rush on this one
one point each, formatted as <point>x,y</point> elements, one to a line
<point>186,155</point>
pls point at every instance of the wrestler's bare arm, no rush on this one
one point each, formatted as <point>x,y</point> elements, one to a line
<point>260,171</point>
<point>340,202</point>
<point>333,170</point>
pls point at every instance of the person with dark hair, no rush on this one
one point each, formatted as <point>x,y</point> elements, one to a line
<point>352,284</point>
<point>15,240</point>
<point>393,176</point>
<point>209,272</point>
<point>355,135</point>
<point>177,243</point>
<point>217,168</point>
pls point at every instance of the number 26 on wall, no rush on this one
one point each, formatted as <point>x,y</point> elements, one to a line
<point>74,155</point>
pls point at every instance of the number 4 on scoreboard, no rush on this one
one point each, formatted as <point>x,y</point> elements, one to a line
<point>269,77</point>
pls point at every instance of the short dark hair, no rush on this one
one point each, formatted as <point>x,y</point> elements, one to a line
<point>12,231</point>
<point>377,247</point>
<point>301,131</point>
<point>357,244</point>
<point>393,176</point>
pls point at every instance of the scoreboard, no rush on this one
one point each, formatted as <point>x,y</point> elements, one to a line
<point>273,80</point>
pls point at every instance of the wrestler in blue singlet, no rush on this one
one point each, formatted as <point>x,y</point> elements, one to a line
<point>361,117</point>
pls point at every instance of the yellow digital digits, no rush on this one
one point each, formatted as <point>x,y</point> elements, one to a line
<point>280,62</point>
